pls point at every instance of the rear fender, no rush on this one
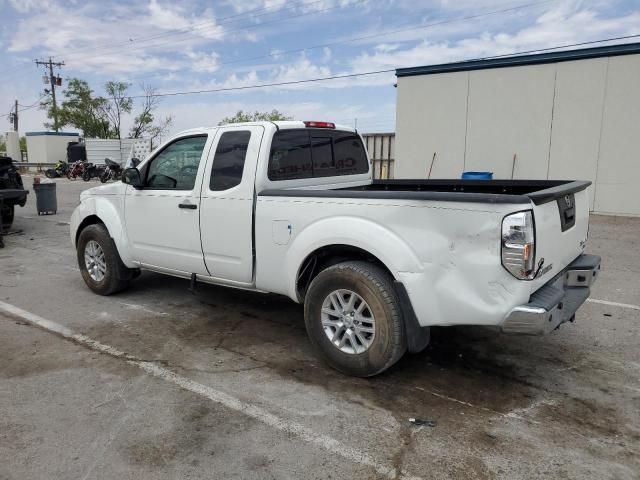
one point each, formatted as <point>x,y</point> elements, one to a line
<point>364,234</point>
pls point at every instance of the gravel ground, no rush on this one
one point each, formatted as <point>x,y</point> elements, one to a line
<point>224,384</point>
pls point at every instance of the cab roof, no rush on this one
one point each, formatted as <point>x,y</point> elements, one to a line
<point>280,125</point>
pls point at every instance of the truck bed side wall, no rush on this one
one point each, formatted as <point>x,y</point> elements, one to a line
<point>447,254</point>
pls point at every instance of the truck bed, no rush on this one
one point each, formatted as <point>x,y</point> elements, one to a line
<point>481,191</point>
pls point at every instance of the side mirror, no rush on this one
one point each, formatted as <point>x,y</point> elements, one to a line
<point>135,161</point>
<point>131,176</point>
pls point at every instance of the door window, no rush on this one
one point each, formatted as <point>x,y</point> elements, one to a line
<point>228,162</point>
<point>176,167</point>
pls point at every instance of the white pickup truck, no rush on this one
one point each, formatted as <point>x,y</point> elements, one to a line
<point>291,208</point>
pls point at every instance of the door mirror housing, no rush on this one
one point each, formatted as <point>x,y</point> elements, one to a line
<point>131,176</point>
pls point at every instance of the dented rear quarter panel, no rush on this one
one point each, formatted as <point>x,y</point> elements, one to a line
<point>447,254</point>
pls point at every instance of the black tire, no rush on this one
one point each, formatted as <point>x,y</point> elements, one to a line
<point>50,173</point>
<point>375,286</point>
<point>7,214</point>
<point>86,176</point>
<point>117,275</point>
<point>104,177</point>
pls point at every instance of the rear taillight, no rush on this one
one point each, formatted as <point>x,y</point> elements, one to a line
<point>313,124</point>
<point>518,245</point>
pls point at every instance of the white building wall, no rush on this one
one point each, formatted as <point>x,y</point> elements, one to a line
<point>43,148</point>
<point>433,109</point>
<point>619,160</point>
<point>117,150</point>
<point>510,114</point>
<point>577,121</point>
<point>565,120</point>
<point>12,140</point>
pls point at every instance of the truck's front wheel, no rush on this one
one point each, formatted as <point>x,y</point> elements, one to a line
<point>99,261</point>
<point>354,320</point>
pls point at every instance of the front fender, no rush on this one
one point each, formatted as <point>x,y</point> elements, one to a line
<point>358,232</point>
<point>109,214</point>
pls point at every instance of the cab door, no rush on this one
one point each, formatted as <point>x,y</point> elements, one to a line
<point>226,213</point>
<point>162,218</point>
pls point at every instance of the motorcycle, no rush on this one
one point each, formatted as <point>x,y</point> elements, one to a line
<point>92,171</point>
<point>76,170</point>
<point>113,171</point>
<point>59,170</point>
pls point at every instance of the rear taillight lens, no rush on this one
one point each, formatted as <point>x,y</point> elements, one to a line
<point>518,244</point>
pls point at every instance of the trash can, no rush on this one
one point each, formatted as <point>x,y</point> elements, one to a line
<point>477,175</point>
<point>46,201</point>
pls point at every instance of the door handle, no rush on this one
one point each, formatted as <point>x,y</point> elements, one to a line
<point>189,206</point>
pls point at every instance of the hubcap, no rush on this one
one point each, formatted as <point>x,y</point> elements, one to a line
<point>348,321</point>
<point>94,260</point>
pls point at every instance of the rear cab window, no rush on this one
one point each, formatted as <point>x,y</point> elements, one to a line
<point>314,153</point>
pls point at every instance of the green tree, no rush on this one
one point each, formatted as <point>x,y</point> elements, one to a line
<point>145,124</point>
<point>242,116</point>
<point>118,103</point>
<point>81,109</point>
<point>101,116</point>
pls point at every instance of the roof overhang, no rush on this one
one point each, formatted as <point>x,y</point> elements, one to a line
<point>521,60</point>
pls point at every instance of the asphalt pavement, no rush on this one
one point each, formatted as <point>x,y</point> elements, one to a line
<point>156,382</point>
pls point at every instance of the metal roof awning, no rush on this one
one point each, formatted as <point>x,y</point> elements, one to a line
<point>521,60</point>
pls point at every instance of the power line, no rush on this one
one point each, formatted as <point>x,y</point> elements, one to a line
<point>211,23</point>
<point>571,45</point>
<point>375,35</point>
<point>350,75</point>
<point>328,44</point>
<point>189,31</point>
<point>264,85</point>
<point>241,29</point>
<point>34,104</point>
<point>391,32</point>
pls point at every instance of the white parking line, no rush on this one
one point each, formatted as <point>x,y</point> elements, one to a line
<point>614,304</point>
<point>293,428</point>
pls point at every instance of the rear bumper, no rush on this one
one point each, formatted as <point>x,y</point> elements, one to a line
<point>14,196</point>
<point>557,301</point>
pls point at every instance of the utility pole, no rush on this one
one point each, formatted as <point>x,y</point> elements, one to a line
<point>13,117</point>
<point>52,81</point>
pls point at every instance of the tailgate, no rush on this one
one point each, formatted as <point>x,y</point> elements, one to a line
<point>561,219</point>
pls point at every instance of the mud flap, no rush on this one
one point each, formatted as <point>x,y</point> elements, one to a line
<point>417,336</point>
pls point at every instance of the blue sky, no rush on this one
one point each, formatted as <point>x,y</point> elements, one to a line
<point>193,45</point>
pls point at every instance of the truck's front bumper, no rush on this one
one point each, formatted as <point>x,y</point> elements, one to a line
<point>557,301</point>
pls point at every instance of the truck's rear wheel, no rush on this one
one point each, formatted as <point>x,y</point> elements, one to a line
<point>99,261</point>
<point>354,320</point>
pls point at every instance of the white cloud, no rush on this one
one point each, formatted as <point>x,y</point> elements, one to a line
<point>265,6</point>
<point>118,40</point>
<point>559,26</point>
<point>25,6</point>
<point>326,54</point>
<point>203,62</point>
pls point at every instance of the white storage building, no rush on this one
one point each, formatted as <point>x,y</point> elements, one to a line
<point>119,151</point>
<point>49,147</point>
<point>563,115</point>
